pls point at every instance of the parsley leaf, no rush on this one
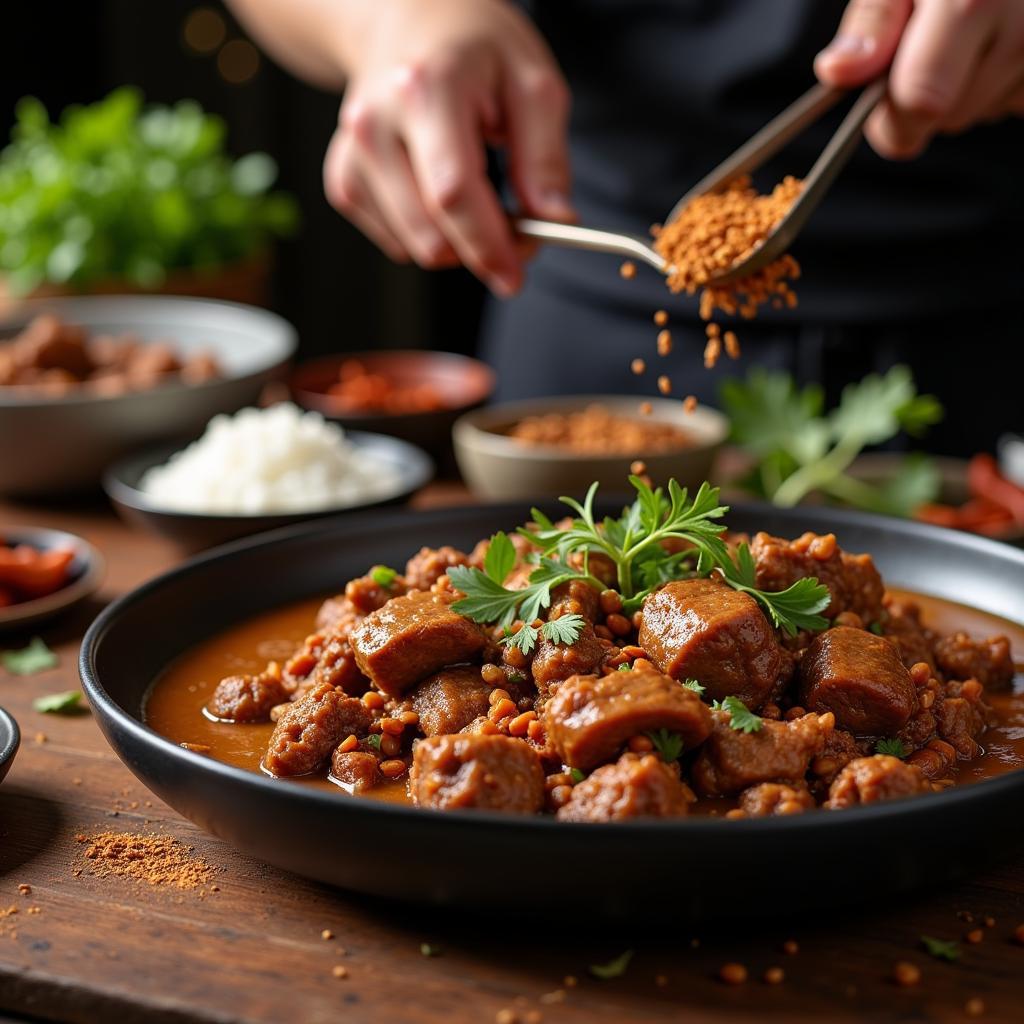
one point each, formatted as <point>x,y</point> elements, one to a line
<point>29,660</point>
<point>59,703</point>
<point>563,630</point>
<point>383,576</point>
<point>741,718</point>
<point>876,628</point>
<point>577,775</point>
<point>668,744</point>
<point>941,949</point>
<point>500,557</point>
<point>525,639</point>
<point>614,968</point>
<point>692,684</point>
<point>800,449</point>
<point>374,740</point>
<point>892,746</point>
<point>624,667</point>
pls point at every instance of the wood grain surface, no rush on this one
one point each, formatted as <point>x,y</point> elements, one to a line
<point>112,949</point>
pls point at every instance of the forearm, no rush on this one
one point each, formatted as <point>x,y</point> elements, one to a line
<point>316,40</point>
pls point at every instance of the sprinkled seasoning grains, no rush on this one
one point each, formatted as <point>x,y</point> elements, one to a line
<point>158,860</point>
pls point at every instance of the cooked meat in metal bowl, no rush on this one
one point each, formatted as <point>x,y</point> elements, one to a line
<point>653,666</point>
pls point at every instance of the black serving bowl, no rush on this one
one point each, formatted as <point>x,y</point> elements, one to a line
<point>691,869</point>
<point>85,574</point>
<point>195,531</point>
<point>10,737</point>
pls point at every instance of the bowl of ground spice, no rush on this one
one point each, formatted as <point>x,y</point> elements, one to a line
<point>554,446</point>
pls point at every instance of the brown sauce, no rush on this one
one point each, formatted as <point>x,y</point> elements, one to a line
<point>174,707</point>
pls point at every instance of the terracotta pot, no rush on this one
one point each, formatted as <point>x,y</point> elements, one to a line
<point>246,282</point>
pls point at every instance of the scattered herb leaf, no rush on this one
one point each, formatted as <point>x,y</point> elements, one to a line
<point>741,718</point>
<point>876,628</point>
<point>692,684</point>
<point>892,746</point>
<point>426,949</point>
<point>801,449</point>
<point>941,949</point>
<point>374,740</point>
<point>500,557</point>
<point>524,638</point>
<point>564,630</point>
<point>624,667</point>
<point>668,744</point>
<point>614,968</point>
<point>383,576</point>
<point>59,703</point>
<point>577,775</point>
<point>34,658</point>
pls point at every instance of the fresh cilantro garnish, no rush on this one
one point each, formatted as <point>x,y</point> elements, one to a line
<point>34,658</point>
<point>426,949</point>
<point>624,667</point>
<point>876,628</point>
<point>635,544</point>
<point>614,968</point>
<point>668,744</point>
<point>564,630</point>
<point>892,746</point>
<point>374,740</point>
<point>800,449</point>
<point>741,718</point>
<point>59,703</point>
<point>692,684</point>
<point>792,609</point>
<point>383,576</point>
<point>577,775</point>
<point>941,949</point>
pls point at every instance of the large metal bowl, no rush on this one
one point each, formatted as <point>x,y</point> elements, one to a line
<point>51,445</point>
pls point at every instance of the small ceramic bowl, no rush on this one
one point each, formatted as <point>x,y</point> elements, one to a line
<point>498,467</point>
<point>194,531</point>
<point>10,737</point>
<point>461,383</point>
<point>84,576</point>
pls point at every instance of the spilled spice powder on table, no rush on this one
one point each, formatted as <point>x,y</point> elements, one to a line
<point>158,860</point>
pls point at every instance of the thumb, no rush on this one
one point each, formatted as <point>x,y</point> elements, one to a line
<point>865,43</point>
<point>537,108</point>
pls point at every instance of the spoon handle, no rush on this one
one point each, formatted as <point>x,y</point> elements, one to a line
<point>575,237</point>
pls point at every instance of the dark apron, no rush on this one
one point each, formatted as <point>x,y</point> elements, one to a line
<point>899,261</point>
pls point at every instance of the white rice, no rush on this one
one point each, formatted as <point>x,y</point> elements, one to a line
<point>266,461</point>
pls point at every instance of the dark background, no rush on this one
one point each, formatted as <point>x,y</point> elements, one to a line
<point>338,290</point>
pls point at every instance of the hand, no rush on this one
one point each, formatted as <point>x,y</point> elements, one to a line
<point>432,85</point>
<point>955,64</point>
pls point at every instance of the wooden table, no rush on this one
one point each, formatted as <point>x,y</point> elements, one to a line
<point>111,949</point>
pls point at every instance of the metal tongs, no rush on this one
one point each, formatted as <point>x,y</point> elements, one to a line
<point>748,158</point>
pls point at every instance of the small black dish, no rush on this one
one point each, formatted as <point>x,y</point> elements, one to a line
<point>195,531</point>
<point>10,737</point>
<point>85,574</point>
<point>694,868</point>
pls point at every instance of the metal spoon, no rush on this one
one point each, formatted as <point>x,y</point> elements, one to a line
<point>750,156</point>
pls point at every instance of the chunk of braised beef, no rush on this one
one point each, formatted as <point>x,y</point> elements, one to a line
<point>768,799</point>
<point>635,786</point>
<point>356,770</point>
<point>989,661</point>
<point>841,747</point>
<point>309,730</point>
<point>365,594</point>
<point>731,760</point>
<point>860,678</point>
<point>248,698</point>
<point>449,700</point>
<point>962,715</point>
<point>589,718</point>
<point>902,626</point>
<point>337,666</point>
<point>553,662</point>
<point>704,629</point>
<point>575,597</point>
<point>852,580</point>
<point>869,780</point>
<point>428,565</point>
<point>474,771</point>
<point>410,638</point>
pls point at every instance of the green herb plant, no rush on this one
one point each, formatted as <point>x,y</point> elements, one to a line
<point>799,449</point>
<point>614,968</point>
<point>941,949</point>
<point>892,746</point>
<point>115,191</point>
<point>635,544</point>
<point>741,718</point>
<point>68,703</point>
<point>37,657</point>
